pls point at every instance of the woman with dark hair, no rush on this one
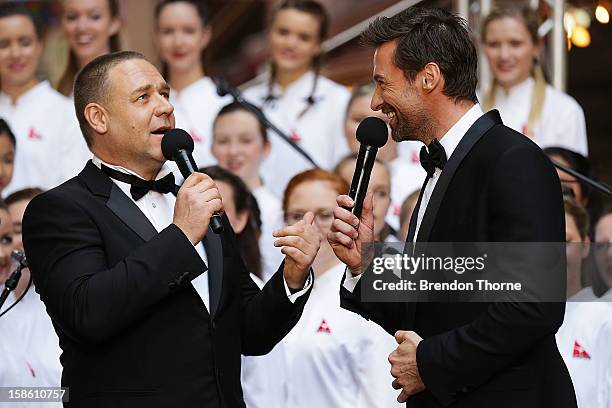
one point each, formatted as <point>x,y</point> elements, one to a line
<point>240,144</point>
<point>92,29</point>
<point>307,106</point>
<point>243,214</point>
<point>7,154</point>
<point>183,33</point>
<point>42,120</point>
<point>519,90</point>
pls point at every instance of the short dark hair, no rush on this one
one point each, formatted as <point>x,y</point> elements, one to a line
<point>237,107</point>
<point>15,8</point>
<point>5,129</point>
<point>20,195</point>
<point>91,85</point>
<point>425,35</point>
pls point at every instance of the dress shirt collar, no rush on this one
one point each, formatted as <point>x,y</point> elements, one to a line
<point>453,136</point>
<point>165,169</point>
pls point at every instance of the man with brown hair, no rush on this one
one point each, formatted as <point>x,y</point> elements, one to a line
<point>151,307</point>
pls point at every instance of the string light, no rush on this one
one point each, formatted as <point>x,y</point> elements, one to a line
<point>581,37</point>
<point>602,15</point>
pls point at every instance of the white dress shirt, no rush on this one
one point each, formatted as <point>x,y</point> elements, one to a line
<point>331,358</point>
<point>449,141</point>
<point>319,132</point>
<point>50,145</point>
<point>584,340</point>
<point>561,123</point>
<point>159,210</point>
<point>195,109</point>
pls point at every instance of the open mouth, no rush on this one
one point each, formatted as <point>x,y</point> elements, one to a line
<point>161,130</point>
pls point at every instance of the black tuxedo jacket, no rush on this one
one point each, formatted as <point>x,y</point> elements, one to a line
<point>497,186</point>
<point>133,330</point>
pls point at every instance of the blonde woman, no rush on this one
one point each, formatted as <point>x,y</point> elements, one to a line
<point>519,90</point>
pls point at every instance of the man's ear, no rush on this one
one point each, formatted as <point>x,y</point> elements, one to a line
<point>97,117</point>
<point>431,77</point>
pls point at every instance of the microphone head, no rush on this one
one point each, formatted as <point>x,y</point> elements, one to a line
<point>372,132</point>
<point>175,140</point>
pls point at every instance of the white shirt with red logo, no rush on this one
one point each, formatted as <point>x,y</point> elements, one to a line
<point>195,109</point>
<point>319,131</point>
<point>585,343</point>
<point>333,357</point>
<point>50,147</point>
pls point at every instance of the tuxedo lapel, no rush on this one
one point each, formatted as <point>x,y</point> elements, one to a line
<point>474,133</point>
<point>130,214</point>
<point>214,251</point>
<point>120,204</point>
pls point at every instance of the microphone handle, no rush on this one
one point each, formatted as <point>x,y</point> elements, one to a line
<point>361,178</point>
<point>187,165</point>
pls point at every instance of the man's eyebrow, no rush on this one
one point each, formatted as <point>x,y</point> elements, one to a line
<point>142,89</point>
<point>145,88</point>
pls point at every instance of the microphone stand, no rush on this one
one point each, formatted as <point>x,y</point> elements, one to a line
<point>601,187</point>
<point>223,88</point>
<point>11,283</point>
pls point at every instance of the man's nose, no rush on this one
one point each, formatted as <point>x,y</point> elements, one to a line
<point>376,102</point>
<point>164,107</point>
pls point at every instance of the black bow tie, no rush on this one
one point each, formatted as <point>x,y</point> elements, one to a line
<point>141,187</point>
<point>432,157</point>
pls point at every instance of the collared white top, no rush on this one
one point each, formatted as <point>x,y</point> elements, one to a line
<point>29,348</point>
<point>561,124</point>
<point>584,340</point>
<point>50,145</point>
<point>195,109</point>
<point>332,357</point>
<point>159,210</point>
<point>271,219</point>
<point>320,131</point>
<point>449,141</point>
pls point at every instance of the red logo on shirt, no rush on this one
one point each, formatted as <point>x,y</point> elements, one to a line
<point>396,209</point>
<point>323,327</point>
<point>295,138</point>
<point>416,158</point>
<point>195,136</point>
<point>34,135</point>
<point>579,352</point>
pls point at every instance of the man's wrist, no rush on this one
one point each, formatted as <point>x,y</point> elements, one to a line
<point>354,272</point>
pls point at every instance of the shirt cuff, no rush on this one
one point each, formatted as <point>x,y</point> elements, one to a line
<point>350,280</point>
<point>294,296</point>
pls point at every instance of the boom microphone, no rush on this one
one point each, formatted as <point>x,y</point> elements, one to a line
<point>372,134</point>
<point>177,146</point>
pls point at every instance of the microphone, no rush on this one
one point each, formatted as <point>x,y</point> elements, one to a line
<point>177,146</point>
<point>372,134</point>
